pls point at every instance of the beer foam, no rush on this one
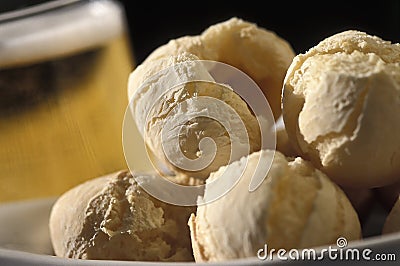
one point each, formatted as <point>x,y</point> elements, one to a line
<point>59,32</point>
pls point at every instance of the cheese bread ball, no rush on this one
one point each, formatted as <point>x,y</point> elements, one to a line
<point>392,223</point>
<point>112,218</point>
<point>388,195</point>
<point>296,206</point>
<point>175,120</point>
<point>340,103</point>
<point>260,53</point>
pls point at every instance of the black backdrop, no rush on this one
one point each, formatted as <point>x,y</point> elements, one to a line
<point>302,23</point>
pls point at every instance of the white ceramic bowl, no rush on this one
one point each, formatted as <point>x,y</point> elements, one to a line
<point>24,240</point>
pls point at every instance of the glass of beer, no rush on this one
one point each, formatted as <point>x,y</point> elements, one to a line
<point>64,67</point>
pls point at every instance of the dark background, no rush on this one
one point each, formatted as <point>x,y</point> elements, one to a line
<point>302,23</point>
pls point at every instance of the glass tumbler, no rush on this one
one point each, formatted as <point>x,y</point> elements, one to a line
<point>64,67</point>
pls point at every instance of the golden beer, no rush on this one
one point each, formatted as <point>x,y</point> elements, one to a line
<point>63,80</point>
